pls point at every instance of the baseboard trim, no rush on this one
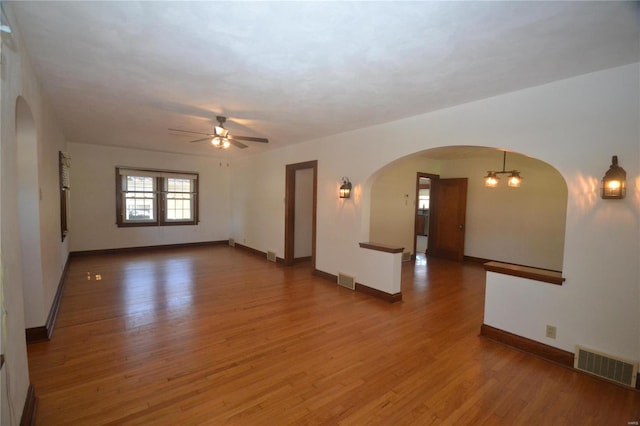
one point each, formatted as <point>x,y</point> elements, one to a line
<point>302,259</point>
<point>42,333</point>
<point>361,288</point>
<point>524,344</point>
<point>146,248</point>
<point>30,407</point>
<point>477,259</point>
<point>57,299</point>
<point>541,350</point>
<point>387,297</point>
<point>325,275</point>
<point>256,252</point>
<point>36,334</point>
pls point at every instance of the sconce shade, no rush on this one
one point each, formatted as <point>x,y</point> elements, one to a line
<point>345,188</point>
<point>220,142</point>
<point>614,182</point>
<point>491,180</point>
<point>514,180</point>
<point>221,131</point>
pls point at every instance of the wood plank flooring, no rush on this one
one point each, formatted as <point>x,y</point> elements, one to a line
<point>215,335</point>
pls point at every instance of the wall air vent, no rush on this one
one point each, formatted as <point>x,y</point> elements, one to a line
<point>232,242</point>
<point>346,281</point>
<point>271,256</point>
<point>602,365</point>
<point>406,256</point>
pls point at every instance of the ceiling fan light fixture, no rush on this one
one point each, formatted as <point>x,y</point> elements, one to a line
<point>221,131</point>
<point>220,137</point>
<point>220,142</point>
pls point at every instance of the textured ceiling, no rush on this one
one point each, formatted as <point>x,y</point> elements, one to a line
<point>121,73</point>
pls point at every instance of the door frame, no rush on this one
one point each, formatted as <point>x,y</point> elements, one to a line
<point>432,207</point>
<point>290,210</point>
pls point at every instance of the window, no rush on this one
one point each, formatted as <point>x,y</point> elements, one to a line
<point>155,197</point>
<point>179,199</point>
<point>423,199</point>
<point>64,162</point>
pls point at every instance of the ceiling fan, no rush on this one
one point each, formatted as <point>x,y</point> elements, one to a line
<point>220,138</point>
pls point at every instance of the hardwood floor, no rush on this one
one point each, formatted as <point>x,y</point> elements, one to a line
<point>215,335</point>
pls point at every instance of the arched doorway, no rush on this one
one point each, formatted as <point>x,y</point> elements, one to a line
<point>29,215</point>
<point>523,225</point>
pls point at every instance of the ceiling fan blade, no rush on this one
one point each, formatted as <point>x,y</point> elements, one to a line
<point>189,131</point>
<point>251,139</point>
<point>200,140</point>
<point>238,144</point>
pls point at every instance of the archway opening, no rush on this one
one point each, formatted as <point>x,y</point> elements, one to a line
<point>29,215</point>
<point>524,226</point>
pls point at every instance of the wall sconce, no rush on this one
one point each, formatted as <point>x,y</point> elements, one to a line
<point>491,179</point>
<point>345,188</point>
<point>614,182</point>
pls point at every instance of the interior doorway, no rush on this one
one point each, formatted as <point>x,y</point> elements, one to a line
<point>303,228</point>
<point>422,214</point>
<point>423,207</point>
<point>28,210</point>
<point>482,230</point>
<point>301,181</point>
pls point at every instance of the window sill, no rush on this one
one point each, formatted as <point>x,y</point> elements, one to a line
<point>157,224</point>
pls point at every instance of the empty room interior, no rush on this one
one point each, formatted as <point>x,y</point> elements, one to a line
<point>320,213</point>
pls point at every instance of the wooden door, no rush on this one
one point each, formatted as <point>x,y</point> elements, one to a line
<point>447,221</point>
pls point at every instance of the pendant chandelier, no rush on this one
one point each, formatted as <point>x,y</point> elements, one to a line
<point>514,180</point>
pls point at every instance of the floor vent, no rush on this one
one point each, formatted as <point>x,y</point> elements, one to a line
<point>271,256</point>
<point>346,281</point>
<point>232,242</point>
<point>406,256</point>
<point>615,369</point>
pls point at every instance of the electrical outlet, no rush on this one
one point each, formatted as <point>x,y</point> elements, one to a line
<point>551,331</point>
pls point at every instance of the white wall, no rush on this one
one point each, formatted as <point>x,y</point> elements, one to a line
<point>574,125</point>
<point>92,224</point>
<point>393,201</point>
<point>303,223</point>
<point>18,79</point>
